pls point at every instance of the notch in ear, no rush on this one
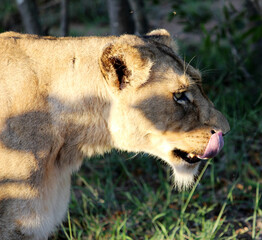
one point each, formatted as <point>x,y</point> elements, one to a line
<point>124,66</point>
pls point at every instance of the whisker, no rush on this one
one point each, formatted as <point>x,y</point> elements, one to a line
<point>190,62</point>
<point>205,70</point>
<point>184,65</point>
<point>132,157</point>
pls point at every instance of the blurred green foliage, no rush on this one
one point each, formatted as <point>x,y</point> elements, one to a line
<point>7,9</point>
<point>92,11</point>
<point>192,13</point>
<point>228,37</point>
<point>81,12</point>
<point>230,45</point>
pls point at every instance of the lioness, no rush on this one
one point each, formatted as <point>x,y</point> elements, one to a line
<point>62,98</point>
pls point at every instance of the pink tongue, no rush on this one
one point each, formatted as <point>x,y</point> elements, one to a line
<point>214,145</point>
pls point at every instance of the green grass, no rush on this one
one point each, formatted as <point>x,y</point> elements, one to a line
<point>123,197</point>
<point>127,196</point>
<point>111,202</point>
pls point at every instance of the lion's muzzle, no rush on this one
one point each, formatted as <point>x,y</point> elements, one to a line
<point>214,146</point>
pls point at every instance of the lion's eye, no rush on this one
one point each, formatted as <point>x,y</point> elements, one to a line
<point>180,97</point>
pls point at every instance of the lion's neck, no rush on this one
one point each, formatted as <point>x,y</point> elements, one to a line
<point>80,103</point>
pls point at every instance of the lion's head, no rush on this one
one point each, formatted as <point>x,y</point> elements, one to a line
<point>158,104</point>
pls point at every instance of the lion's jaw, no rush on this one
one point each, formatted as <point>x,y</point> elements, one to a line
<point>182,150</point>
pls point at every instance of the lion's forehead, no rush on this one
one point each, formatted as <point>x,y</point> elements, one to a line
<point>167,56</point>
<point>170,72</point>
<point>168,82</point>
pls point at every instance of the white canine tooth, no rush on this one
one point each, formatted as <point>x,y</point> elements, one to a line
<point>190,155</point>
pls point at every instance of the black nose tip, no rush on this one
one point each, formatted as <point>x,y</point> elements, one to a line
<point>213,131</point>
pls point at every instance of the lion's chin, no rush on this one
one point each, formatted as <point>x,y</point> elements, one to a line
<point>185,175</point>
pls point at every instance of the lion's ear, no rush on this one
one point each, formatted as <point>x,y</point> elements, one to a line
<point>124,66</point>
<point>162,36</point>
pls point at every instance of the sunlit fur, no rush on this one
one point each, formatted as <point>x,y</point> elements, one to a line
<point>184,177</point>
<point>65,98</point>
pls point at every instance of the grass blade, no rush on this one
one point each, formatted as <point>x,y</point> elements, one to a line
<point>69,225</point>
<point>255,212</point>
<point>194,187</point>
<point>190,196</point>
<point>222,210</point>
<point>64,230</point>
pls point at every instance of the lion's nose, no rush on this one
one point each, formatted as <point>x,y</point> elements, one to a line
<point>213,131</point>
<point>219,122</point>
<point>223,131</point>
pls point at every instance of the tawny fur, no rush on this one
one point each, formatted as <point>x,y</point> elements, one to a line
<point>63,98</point>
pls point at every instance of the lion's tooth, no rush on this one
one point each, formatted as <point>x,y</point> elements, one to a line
<point>190,155</point>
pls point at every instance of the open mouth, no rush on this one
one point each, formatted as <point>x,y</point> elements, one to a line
<point>188,157</point>
<point>213,147</point>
